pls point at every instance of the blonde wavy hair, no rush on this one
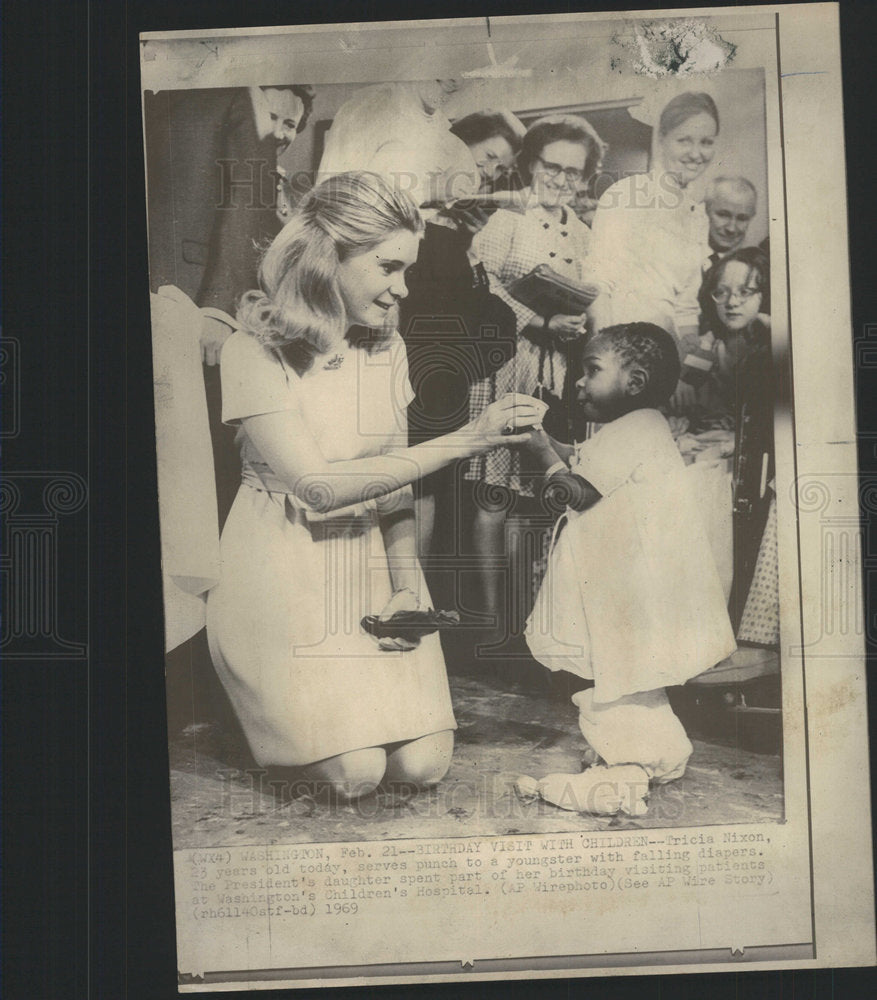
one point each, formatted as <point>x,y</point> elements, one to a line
<point>298,307</point>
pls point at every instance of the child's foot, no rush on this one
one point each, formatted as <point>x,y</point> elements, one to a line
<point>601,790</point>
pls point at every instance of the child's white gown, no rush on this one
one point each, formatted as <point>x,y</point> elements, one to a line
<point>632,597</point>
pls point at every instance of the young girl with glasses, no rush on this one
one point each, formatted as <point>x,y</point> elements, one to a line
<point>736,330</point>
<point>740,388</point>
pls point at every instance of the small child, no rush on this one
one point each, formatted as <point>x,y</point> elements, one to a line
<point>632,598</point>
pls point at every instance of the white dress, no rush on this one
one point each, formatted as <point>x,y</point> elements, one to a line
<point>649,241</point>
<point>284,622</point>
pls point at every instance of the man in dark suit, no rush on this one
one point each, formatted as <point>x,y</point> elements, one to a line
<point>211,162</point>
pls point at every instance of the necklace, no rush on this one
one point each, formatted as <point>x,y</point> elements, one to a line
<point>334,363</point>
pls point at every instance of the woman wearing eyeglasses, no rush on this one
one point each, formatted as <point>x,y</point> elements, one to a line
<point>560,154</point>
<point>650,231</point>
<point>737,324</point>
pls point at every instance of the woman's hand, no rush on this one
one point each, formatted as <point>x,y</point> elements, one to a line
<point>468,215</point>
<point>568,327</point>
<point>402,600</point>
<point>503,421</point>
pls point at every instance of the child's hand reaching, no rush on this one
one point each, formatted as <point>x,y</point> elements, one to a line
<point>540,451</point>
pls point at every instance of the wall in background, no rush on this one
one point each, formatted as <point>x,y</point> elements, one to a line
<point>739,95</point>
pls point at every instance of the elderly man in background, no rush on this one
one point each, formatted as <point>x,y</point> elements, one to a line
<point>730,205</point>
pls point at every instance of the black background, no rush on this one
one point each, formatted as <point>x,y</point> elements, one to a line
<point>88,904</point>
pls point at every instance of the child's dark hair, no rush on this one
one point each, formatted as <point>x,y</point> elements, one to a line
<point>650,348</point>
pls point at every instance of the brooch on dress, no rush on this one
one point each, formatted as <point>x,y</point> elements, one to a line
<point>334,362</point>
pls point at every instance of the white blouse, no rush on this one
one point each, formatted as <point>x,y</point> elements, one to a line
<point>385,129</point>
<point>648,244</point>
<point>511,245</point>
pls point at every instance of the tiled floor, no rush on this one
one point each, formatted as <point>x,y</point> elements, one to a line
<point>509,725</point>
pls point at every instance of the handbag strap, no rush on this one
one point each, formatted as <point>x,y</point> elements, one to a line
<point>540,382</point>
<point>546,353</point>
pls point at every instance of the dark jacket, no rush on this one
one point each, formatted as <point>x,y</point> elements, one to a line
<point>210,193</point>
<point>457,332</point>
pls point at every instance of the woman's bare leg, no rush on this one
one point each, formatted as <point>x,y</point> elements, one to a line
<point>350,775</point>
<point>424,514</point>
<point>422,762</point>
<point>488,537</point>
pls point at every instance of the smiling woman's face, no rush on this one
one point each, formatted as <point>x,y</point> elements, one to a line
<point>557,172</point>
<point>373,282</point>
<point>494,157</point>
<point>688,149</point>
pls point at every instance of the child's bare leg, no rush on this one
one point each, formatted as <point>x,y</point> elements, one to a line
<point>638,728</point>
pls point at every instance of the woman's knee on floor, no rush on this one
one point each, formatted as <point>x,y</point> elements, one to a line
<point>353,774</point>
<point>422,762</point>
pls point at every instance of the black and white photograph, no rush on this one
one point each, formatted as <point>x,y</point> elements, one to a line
<point>480,501</point>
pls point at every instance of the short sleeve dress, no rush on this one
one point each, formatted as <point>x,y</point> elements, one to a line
<point>283,623</point>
